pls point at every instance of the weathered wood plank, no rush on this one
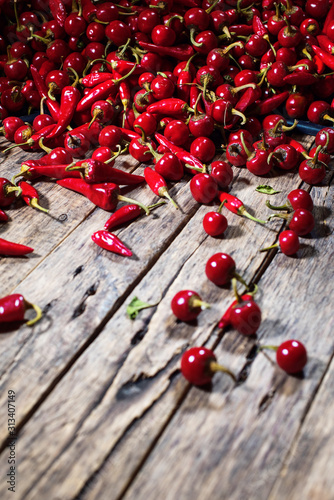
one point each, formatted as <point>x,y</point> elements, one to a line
<point>143,370</point>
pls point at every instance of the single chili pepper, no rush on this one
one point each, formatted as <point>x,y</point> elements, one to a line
<point>329,19</point>
<point>95,172</point>
<point>241,30</point>
<point>180,52</point>
<point>42,89</point>
<point>30,196</point>
<point>234,205</point>
<point>183,81</point>
<point>157,184</point>
<point>10,248</point>
<point>326,58</point>
<point>110,242</point>
<point>258,26</point>
<point>300,78</point>
<point>268,105</point>
<point>319,64</point>
<point>8,192</point>
<point>326,44</point>
<point>295,144</point>
<point>93,79</point>
<point>70,96</point>
<point>169,107</point>
<point>225,319</point>
<point>128,134</point>
<point>13,308</point>
<point>186,158</point>
<point>30,172</point>
<point>125,214</point>
<point>91,132</point>
<point>105,195</point>
<point>124,91</point>
<point>58,11</point>
<point>3,216</point>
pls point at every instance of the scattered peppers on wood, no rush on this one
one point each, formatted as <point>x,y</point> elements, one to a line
<point>13,308</point>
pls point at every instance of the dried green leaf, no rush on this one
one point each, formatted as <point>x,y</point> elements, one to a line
<point>266,189</point>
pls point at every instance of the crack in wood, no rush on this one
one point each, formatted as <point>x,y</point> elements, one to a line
<point>266,400</point>
<point>80,309</point>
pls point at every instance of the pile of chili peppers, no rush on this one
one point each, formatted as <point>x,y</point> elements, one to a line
<point>167,81</point>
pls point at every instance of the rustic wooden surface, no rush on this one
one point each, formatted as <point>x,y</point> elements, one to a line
<point>101,408</point>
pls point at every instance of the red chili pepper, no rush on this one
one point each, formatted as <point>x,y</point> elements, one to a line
<point>234,205</point>
<point>180,52</point>
<point>326,58</point>
<point>194,97</point>
<point>13,308</point>
<point>91,132</point>
<point>186,158</point>
<point>70,96</point>
<point>295,144</point>
<point>124,214</point>
<point>169,107</point>
<point>105,195</point>
<point>300,78</point>
<point>58,11</point>
<point>95,172</point>
<point>10,248</point>
<point>30,196</point>
<point>267,106</point>
<point>329,19</point>
<point>183,81</point>
<point>110,242</point>
<point>319,64</point>
<point>326,44</point>
<point>157,184</point>
<point>241,29</point>
<point>53,106</point>
<point>93,79</point>
<point>258,26</point>
<point>3,216</point>
<point>225,319</point>
<point>8,192</point>
<point>128,134</point>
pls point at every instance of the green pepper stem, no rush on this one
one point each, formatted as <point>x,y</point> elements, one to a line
<point>215,367</point>
<point>120,197</point>
<point>38,311</point>
<point>164,192</point>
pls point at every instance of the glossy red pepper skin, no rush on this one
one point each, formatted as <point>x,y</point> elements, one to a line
<point>93,79</point>
<point>90,132</point>
<point>3,216</point>
<point>58,11</point>
<point>104,195</point>
<point>183,155</point>
<point>6,196</point>
<point>30,172</point>
<point>110,242</point>
<point>13,249</point>
<point>180,52</point>
<point>70,96</point>
<point>124,214</point>
<point>13,308</point>
<point>97,93</point>
<point>326,44</point>
<point>95,172</point>
<point>53,106</point>
<point>30,196</point>
<point>168,107</point>
<point>326,58</point>
<point>269,105</point>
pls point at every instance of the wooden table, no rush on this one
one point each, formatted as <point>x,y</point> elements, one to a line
<point>101,410</point>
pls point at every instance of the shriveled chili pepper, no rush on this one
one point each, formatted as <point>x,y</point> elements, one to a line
<point>105,195</point>
<point>13,308</point>
<point>157,184</point>
<point>30,196</point>
<point>11,248</point>
<point>180,52</point>
<point>268,105</point>
<point>110,242</point>
<point>169,107</point>
<point>234,205</point>
<point>42,89</point>
<point>3,216</point>
<point>186,158</point>
<point>95,172</point>
<point>326,58</point>
<point>58,11</point>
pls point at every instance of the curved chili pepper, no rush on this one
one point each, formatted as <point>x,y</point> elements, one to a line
<point>326,58</point>
<point>125,214</point>
<point>258,26</point>
<point>70,96</point>
<point>30,196</point>
<point>326,44</point>
<point>267,106</point>
<point>53,171</point>
<point>319,64</point>
<point>105,195</point>
<point>3,216</point>
<point>183,81</point>
<point>180,52</point>
<point>169,107</point>
<point>297,145</point>
<point>329,19</point>
<point>128,134</point>
<point>300,78</point>
<point>58,11</point>
<point>93,79</point>
<point>194,98</point>
<point>186,158</point>
<point>110,242</point>
<point>234,205</point>
<point>225,319</point>
<point>11,248</point>
<point>13,308</point>
<point>91,132</point>
<point>95,172</point>
<point>53,106</point>
<point>157,184</point>
<point>241,30</point>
